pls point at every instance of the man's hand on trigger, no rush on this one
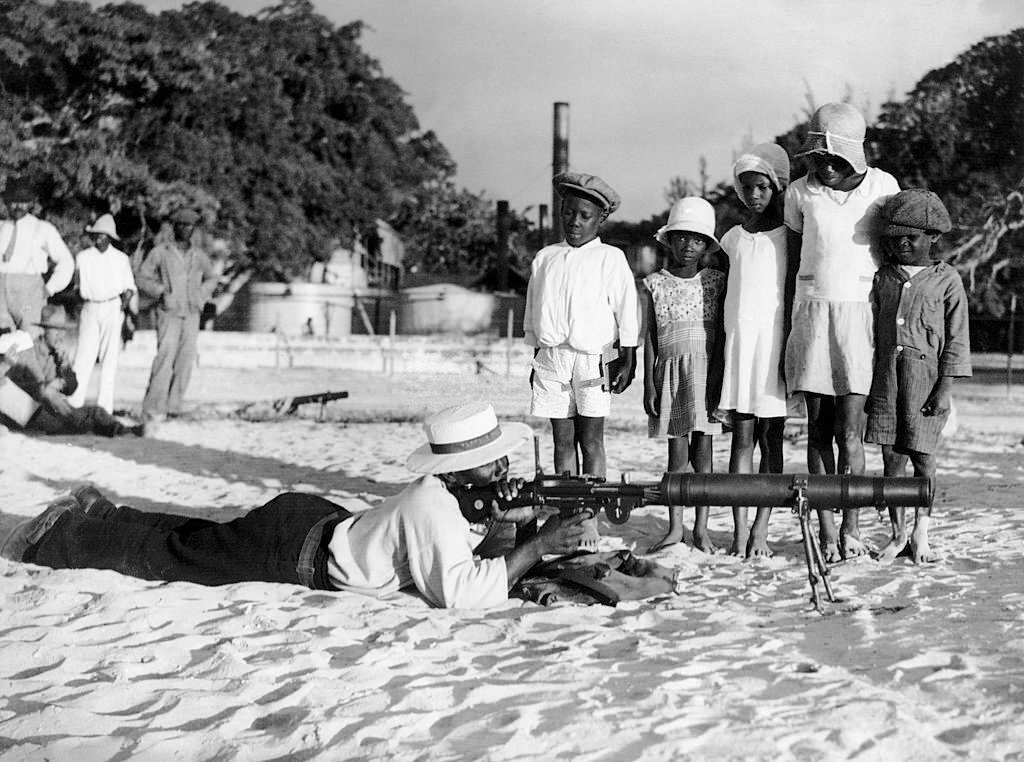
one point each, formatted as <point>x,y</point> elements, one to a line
<point>508,489</point>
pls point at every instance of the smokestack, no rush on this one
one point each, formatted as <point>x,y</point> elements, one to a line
<point>559,163</point>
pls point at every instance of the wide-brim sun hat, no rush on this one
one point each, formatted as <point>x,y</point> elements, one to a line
<point>837,129</point>
<point>694,215</point>
<point>53,316</point>
<point>105,225</point>
<point>465,436</point>
<point>768,159</point>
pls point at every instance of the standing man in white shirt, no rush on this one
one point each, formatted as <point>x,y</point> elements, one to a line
<point>107,287</point>
<point>28,246</point>
<point>582,321</point>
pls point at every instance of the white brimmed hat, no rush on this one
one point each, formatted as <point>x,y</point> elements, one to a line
<point>694,215</point>
<point>465,436</point>
<point>105,225</point>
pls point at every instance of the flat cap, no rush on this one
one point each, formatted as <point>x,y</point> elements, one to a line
<point>19,189</point>
<point>589,186</point>
<point>912,211</point>
<point>185,216</point>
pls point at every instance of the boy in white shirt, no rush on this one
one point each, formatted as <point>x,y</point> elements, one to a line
<point>582,320</point>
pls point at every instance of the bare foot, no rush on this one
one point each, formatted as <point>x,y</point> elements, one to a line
<point>757,547</point>
<point>850,545</point>
<point>830,552</point>
<point>892,549</point>
<point>920,549</point>
<point>827,541</point>
<point>672,537</point>
<point>740,539</point>
<point>701,541</point>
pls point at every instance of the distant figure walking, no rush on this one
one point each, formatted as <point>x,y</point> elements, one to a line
<point>107,286</point>
<point>181,278</point>
<point>29,247</point>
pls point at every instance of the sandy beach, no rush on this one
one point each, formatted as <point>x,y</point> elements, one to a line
<point>916,663</point>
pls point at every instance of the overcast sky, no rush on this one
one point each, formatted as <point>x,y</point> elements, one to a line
<point>652,85</point>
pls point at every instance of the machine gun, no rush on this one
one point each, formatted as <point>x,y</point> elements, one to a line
<point>288,405</point>
<point>802,492</point>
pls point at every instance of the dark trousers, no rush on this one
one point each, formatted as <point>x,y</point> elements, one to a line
<point>87,419</point>
<point>283,541</point>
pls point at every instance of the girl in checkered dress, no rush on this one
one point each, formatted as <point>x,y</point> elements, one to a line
<point>683,352</point>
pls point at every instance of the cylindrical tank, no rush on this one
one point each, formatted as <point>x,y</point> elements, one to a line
<point>445,308</point>
<point>296,309</point>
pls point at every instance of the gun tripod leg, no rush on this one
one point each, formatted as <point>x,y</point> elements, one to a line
<point>819,560</point>
<point>810,558</point>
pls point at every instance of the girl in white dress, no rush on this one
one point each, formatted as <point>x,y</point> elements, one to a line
<point>753,397</point>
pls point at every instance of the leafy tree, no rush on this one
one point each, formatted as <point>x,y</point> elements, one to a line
<point>278,126</point>
<point>959,133</point>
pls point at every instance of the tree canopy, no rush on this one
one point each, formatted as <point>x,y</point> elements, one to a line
<point>277,126</point>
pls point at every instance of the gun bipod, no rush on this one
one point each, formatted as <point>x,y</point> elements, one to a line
<point>816,566</point>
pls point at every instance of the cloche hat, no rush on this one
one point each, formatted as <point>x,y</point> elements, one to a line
<point>465,436</point>
<point>838,129</point>
<point>692,214</point>
<point>105,225</point>
<point>768,159</point>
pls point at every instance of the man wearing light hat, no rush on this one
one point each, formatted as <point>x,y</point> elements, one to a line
<point>29,246</point>
<point>107,287</point>
<point>419,538</point>
<point>181,277</point>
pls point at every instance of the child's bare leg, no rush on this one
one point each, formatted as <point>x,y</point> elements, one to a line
<point>821,460</point>
<point>894,464</point>
<point>769,436</point>
<point>590,436</point>
<point>741,461</point>
<point>678,460</point>
<point>921,551</point>
<point>563,432</point>
<point>700,457</point>
<point>849,432</point>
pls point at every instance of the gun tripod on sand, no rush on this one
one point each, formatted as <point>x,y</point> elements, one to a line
<point>803,492</point>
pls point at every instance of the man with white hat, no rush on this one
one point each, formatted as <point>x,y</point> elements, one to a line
<point>418,538</point>
<point>29,248</point>
<point>107,287</point>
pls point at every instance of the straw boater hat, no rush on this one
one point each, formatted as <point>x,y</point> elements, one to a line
<point>694,215</point>
<point>465,436</point>
<point>105,225</point>
<point>838,129</point>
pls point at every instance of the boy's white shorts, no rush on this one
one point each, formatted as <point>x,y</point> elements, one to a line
<point>567,383</point>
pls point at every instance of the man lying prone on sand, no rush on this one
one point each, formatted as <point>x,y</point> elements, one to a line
<point>417,538</point>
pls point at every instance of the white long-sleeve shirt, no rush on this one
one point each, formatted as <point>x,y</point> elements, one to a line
<point>417,537</point>
<point>104,275</point>
<point>36,244</point>
<point>583,297</point>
